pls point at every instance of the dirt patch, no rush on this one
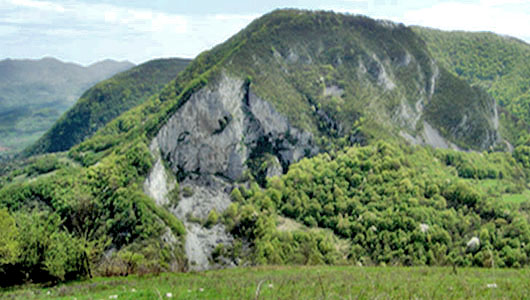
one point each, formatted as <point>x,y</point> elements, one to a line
<point>286,224</point>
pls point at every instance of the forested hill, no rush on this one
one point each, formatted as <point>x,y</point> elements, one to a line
<point>498,64</point>
<point>34,94</point>
<point>306,138</point>
<point>105,101</point>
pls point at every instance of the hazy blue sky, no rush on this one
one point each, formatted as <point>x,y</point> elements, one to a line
<point>85,31</point>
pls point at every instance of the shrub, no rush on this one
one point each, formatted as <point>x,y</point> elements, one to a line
<point>9,244</point>
<point>213,218</point>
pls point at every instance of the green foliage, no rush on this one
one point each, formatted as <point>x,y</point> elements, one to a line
<point>43,164</point>
<point>174,195</point>
<point>104,200</point>
<point>213,218</point>
<point>236,196</point>
<point>131,260</point>
<point>496,165</point>
<point>149,256</point>
<point>406,206</point>
<point>102,203</point>
<point>9,245</point>
<point>522,155</point>
<point>63,256</point>
<point>454,101</point>
<point>45,252</point>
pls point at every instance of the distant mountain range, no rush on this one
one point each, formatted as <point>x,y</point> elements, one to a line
<point>34,94</point>
<point>107,100</point>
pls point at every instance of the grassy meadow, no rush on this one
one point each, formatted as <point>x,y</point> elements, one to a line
<point>323,282</point>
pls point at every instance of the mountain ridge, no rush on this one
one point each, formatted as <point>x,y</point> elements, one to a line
<point>299,95</point>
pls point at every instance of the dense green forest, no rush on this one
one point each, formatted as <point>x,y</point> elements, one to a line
<point>395,205</point>
<point>368,198</point>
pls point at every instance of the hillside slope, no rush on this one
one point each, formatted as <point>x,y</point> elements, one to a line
<point>105,101</point>
<point>34,94</point>
<point>287,144</point>
<point>499,64</point>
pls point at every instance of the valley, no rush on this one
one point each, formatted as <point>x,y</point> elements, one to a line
<point>34,94</point>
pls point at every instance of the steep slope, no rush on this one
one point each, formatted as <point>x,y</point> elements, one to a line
<point>257,131</point>
<point>105,101</point>
<point>499,64</point>
<point>34,94</point>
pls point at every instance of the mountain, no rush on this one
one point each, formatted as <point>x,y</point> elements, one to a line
<point>498,64</point>
<point>105,101</point>
<point>377,72</point>
<point>306,138</point>
<point>34,93</point>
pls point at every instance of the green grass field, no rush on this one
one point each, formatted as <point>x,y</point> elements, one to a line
<point>517,198</point>
<point>298,283</point>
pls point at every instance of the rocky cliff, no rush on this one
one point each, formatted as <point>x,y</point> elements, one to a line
<point>212,143</point>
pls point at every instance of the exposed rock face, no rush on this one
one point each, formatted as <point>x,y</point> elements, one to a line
<point>208,193</point>
<point>219,129</point>
<point>333,91</point>
<point>203,136</point>
<point>408,117</point>
<point>274,168</point>
<point>429,136</point>
<point>158,184</point>
<point>208,143</point>
<point>377,71</point>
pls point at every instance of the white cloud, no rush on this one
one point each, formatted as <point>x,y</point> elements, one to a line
<point>136,19</point>
<point>487,15</point>
<point>73,13</point>
<point>6,30</point>
<point>41,5</point>
<point>84,32</point>
<point>502,2</point>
